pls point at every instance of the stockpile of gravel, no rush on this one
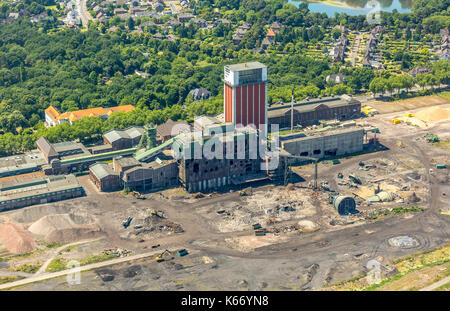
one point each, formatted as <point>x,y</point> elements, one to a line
<point>65,227</point>
<point>16,239</point>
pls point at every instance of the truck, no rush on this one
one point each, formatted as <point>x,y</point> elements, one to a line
<point>182,252</point>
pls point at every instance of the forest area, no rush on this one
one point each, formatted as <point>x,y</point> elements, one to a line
<point>42,64</point>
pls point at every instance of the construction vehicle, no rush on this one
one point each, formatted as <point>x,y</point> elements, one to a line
<point>138,195</point>
<point>355,179</point>
<point>260,232</point>
<point>157,213</point>
<point>182,252</point>
<point>432,138</point>
<point>160,257</point>
<point>126,223</point>
<point>242,193</point>
<point>257,226</point>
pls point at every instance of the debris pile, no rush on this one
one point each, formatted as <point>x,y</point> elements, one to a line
<point>308,226</point>
<point>119,252</point>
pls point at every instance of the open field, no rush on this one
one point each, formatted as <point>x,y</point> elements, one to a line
<point>408,104</point>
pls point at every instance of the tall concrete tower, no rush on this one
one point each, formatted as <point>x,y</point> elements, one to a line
<point>245,94</point>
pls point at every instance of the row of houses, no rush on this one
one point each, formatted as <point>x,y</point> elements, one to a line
<point>444,49</point>
<point>269,39</point>
<point>240,32</point>
<point>13,16</point>
<point>337,53</point>
<point>371,58</point>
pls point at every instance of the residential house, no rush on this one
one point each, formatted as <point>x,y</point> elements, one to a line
<point>185,17</point>
<point>200,93</point>
<point>336,78</point>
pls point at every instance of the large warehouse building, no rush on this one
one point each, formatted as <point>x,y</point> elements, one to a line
<point>325,142</point>
<point>309,112</point>
<point>20,193</point>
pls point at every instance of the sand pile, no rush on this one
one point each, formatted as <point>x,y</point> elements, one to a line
<point>308,226</point>
<point>65,227</point>
<point>16,239</point>
<point>433,114</point>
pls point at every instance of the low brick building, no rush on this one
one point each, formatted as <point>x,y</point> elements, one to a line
<point>103,177</point>
<point>123,139</point>
<point>310,112</point>
<point>164,131</point>
<point>122,164</point>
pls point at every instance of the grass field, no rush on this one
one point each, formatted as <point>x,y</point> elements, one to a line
<point>445,95</point>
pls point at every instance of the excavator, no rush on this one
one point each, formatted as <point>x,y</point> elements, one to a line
<point>157,213</point>
<point>138,195</point>
<point>160,257</point>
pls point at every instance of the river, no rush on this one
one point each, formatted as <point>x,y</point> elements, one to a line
<point>356,7</point>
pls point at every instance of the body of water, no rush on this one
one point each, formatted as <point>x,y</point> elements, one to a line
<point>357,7</point>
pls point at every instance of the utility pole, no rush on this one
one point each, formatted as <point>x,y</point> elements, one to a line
<point>292,110</point>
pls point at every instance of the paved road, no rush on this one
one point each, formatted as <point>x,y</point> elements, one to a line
<point>83,12</point>
<point>436,285</point>
<point>173,7</point>
<point>355,48</point>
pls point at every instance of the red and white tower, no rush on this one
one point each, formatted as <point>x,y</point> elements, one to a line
<point>245,94</point>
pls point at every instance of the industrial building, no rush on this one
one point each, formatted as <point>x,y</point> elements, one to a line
<point>21,163</point>
<point>152,157</point>
<point>127,172</point>
<point>164,131</point>
<point>123,139</point>
<point>309,112</point>
<point>103,177</point>
<point>21,193</point>
<point>66,157</point>
<point>226,168</point>
<point>325,142</point>
<point>156,175</point>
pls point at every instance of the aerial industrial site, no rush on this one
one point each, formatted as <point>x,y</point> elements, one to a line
<point>147,208</point>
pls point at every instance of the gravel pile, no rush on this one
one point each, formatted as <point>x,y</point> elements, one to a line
<point>16,239</point>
